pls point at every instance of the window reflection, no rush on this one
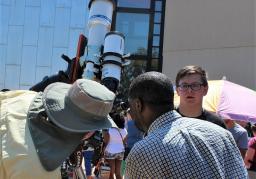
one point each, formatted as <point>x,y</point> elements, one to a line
<point>156,41</point>
<point>135,28</point>
<point>154,64</point>
<point>156,28</point>
<point>132,19</point>
<point>158,6</point>
<point>129,72</point>
<point>157,17</point>
<point>155,52</point>
<point>134,3</point>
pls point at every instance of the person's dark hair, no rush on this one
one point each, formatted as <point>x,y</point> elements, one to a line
<point>190,70</point>
<point>253,127</point>
<point>118,119</point>
<point>153,88</point>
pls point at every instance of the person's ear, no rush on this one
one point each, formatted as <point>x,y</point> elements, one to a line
<point>138,104</point>
<point>206,90</point>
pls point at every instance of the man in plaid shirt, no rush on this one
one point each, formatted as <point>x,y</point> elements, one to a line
<point>176,146</point>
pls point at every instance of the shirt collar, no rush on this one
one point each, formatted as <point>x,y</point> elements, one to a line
<point>164,119</point>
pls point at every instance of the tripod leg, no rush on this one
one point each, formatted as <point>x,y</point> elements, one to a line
<point>79,173</point>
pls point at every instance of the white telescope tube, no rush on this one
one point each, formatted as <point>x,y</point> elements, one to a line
<point>99,24</point>
<point>101,12</point>
<point>112,60</point>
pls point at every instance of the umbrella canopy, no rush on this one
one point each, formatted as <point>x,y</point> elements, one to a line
<point>229,100</point>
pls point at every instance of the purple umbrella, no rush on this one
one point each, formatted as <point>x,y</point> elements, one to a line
<point>231,101</point>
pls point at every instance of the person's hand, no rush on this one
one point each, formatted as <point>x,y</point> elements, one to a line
<point>88,135</point>
<point>68,72</point>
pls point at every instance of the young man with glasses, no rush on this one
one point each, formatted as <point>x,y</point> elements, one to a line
<point>192,86</point>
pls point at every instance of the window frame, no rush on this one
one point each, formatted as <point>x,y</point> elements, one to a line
<point>151,12</point>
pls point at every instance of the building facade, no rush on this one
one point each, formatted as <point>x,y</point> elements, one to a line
<point>161,35</point>
<point>218,35</point>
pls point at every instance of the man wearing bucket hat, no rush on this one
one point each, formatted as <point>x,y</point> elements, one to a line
<point>39,130</point>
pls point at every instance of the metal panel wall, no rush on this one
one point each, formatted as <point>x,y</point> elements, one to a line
<point>33,36</point>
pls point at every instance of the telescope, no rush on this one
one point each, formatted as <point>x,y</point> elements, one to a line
<point>103,54</point>
<point>105,49</point>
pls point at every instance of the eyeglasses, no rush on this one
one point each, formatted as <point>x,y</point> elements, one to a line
<point>193,86</point>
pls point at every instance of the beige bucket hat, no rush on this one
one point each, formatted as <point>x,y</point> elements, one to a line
<point>80,107</point>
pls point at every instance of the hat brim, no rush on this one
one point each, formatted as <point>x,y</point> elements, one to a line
<point>68,118</point>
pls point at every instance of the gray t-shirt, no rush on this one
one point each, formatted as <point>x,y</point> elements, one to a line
<point>240,135</point>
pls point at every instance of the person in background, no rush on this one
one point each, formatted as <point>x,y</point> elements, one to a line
<point>40,130</point>
<point>114,142</point>
<point>88,153</point>
<point>247,126</point>
<point>240,135</point>
<point>250,157</point>
<point>191,87</point>
<point>176,146</point>
<point>134,134</point>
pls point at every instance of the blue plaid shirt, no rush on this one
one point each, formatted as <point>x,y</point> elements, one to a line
<point>180,147</point>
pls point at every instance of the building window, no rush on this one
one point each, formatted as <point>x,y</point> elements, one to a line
<point>142,23</point>
<point>134,3</point>
<point>135,27</point>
